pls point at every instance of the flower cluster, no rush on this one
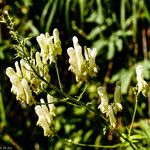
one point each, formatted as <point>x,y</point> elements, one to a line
<point>81,66</point>
<point>24,80</point>
<point>107,109</point>
<point>142,84</point>
<point>45,115</point>
<point>20,86</point>
<point>32,74</point>
<point>50,46</point>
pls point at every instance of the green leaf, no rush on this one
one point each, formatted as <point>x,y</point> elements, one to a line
<point>51,15</point>
<point>111,50</point>
<point>119,44</point>
<point>87,135</point>
<point>44,13</point>
<point>125,79</point>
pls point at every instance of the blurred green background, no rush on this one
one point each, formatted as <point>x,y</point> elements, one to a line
<point>119,29</point>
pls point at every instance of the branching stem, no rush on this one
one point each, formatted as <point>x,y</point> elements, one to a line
<point>133,117</point>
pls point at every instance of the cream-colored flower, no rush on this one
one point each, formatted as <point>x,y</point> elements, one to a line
<point>42,68</point>
<point>74,65</point>
<point>104,99</point>
<point>46,112</point>
<point>26,70</point>
<point>16,84</point>
<point>82,66</point>
<point>45,115</point>
<point>90,56</point>
<point>142,84</point>
<point>112,118</point>
<point>42,41</point>
<point>29,97</point>
<point>42,121</point>
<point>78,51</point>
<point>18,70</point>
<point>51,106</point>
<point>57,42</point>
<point>50,46</point>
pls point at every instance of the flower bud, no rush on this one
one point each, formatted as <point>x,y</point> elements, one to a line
<point>112,118</point>
<point>104,99</point>
<point>57,42</point>
<point>142,84</point>
<point>18,70</point>
<point>52,108</point>
<point>29,98</point>
<point>117,98</point>
<point>41,39</point>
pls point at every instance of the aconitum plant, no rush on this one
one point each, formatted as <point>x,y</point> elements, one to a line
<point>31,76</point>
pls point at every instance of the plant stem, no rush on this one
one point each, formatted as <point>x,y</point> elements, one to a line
<point>2,109</point>
<point>80,96</point>
<point>125,138</point>
<point>95,146</point>
<point>133,117</point>
<point>60,85</point>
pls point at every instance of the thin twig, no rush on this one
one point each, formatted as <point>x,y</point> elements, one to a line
<point>133,117</point>
<point>60,85</point>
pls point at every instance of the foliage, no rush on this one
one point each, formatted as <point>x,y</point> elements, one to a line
<point>120,32</point>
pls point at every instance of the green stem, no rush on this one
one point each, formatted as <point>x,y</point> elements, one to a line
<point>125,138</point>
<point>81,95</point>
<point>60,85</point>
<point>2,109</point>
<point>95,146</point>
<point>133,117</point>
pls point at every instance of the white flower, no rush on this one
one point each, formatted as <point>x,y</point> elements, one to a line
<point>50,46</point>
<point>90,56</point>
<point>18,70</point>
<point>41,39</point>
<point>74,65</point>
<point>42,121</point>
<point>29,97</point>
<point>26,70</point>
<point>78,53</point>
<point>104,99</point>
<point>142,84</point>
<point>82,66</point>
<point>16,84</point>
<point>45,115</point>
<point>112,118</point>
<point>46,112</point>
<point>51,106</point>
<point>57,42</point>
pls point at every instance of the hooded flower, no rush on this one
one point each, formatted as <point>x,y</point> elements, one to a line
<point>82,66</point>
<point>111,115</point>
<point>45,115</point>
<point>42,120</point>
<point>29,98</point>
<point>16,84</point>
<point>142,84</point>
<point>104,99</point>
<point>50,46</point>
